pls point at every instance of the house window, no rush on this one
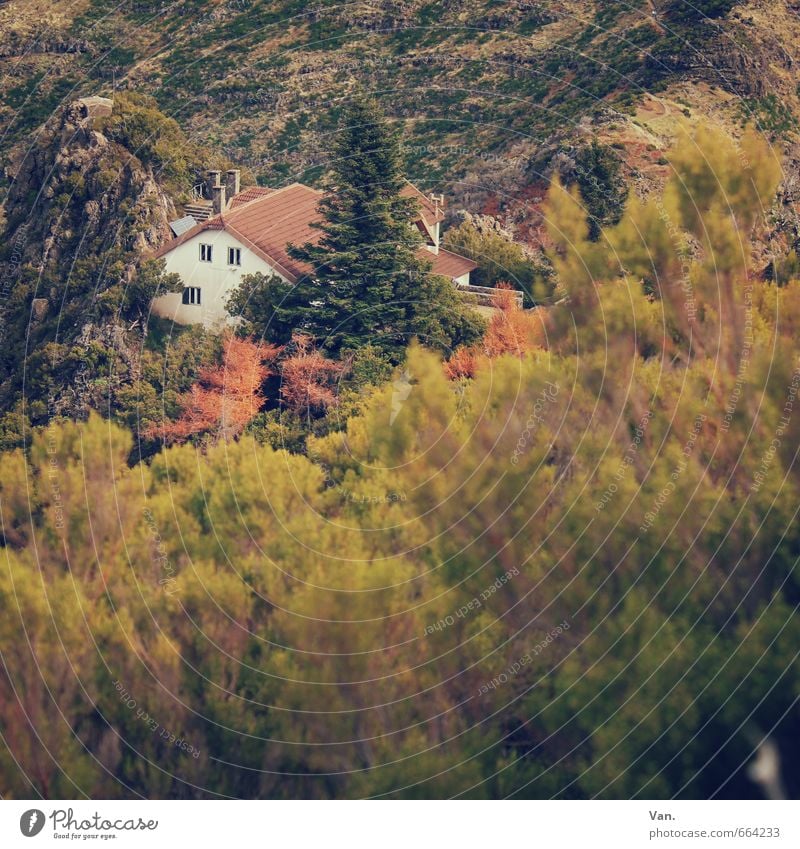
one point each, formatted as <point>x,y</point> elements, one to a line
<point>191,295</point>
<point>234,256</point>
<point>205,253</point>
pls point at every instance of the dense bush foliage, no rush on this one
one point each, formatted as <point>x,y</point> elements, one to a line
<point>598,175</point>
<point>500,260</point>
<point>698,10</point>
<point>574,575</point>
<point>139,125</point>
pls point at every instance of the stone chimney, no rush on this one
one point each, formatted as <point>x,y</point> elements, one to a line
<point>218,199</point>
<point>212,182</point>
<point>232,187</point>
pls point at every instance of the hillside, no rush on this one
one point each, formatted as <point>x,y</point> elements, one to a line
<point>493,99</point>
<point>487,92</point>
<point>370,544</point>
<point>90,199</point>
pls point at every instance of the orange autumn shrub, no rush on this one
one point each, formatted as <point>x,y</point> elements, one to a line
<point>463,363</point>
<point>226,397</point>
<point>309,378</point>
<point>512,330</point>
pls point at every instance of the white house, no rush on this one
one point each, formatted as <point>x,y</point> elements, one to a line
<point>248,232</point>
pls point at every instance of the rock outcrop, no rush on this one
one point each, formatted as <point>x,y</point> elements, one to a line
<point>77,193</point>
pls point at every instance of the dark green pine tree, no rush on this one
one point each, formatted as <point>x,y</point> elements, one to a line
<point>369,285</point>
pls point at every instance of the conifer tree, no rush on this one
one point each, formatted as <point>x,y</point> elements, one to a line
<point>368,284</point>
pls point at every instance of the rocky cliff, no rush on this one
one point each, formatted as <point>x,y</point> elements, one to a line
<point>81,212</point>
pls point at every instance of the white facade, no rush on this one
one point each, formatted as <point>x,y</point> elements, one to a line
<point>212,262</point>
<point>215,279</point>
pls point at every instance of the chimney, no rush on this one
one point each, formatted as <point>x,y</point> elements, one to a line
<point>218,199</point>
<point>212,182</point>
<point>232,182</point>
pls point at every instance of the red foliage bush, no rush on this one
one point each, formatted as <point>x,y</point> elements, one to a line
<point>309,378</point>
<point>511,330</point>
<point>463,363</point>
<point>227,397</point>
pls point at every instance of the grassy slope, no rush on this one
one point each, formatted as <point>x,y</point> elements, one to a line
<point>485,90</point>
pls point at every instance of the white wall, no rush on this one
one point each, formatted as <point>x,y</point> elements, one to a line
<point>434,248</point>
<point>215,279</point>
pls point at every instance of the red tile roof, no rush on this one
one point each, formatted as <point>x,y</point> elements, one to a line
<point>275,220</point>
<point>430,214</point>
<point>449,264</point>
<point>267,220</point>
<point>265,225</point>
<point>247,195</point>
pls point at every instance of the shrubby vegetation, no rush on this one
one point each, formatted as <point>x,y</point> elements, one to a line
<point>501,260</point>
<point>572,574</point>
<point>139,125</point>
<point>602,186</point>
<point>681,11</point>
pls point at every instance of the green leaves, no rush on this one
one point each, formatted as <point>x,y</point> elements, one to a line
<point>573,575</point>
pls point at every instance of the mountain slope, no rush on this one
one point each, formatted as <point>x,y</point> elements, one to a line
<point>468,80</point>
